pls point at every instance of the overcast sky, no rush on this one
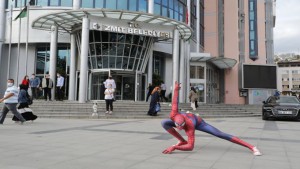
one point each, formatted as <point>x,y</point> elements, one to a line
<point>287,28</point>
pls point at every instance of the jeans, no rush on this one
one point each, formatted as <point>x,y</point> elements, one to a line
<point>34,92</point>
<point>10,107</point>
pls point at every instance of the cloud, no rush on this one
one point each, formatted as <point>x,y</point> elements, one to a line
<point>286,31</point>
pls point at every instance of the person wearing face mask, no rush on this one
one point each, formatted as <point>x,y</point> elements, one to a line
<point>109,81</point>
<point>189,123</point>
<point>34,84</point>
<point>59,87</point>
<point>47,85</point>
<point>10,100</point>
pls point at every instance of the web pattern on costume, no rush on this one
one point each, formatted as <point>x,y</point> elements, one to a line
<point>192,123</point>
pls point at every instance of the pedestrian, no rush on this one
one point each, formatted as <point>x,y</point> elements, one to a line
<point>109,81</point>
<point>150,89</point>
<point>10,100</point>
<point>25,82</point>
<point>47,85</point>
<point>109,98</point>
<point>189,123</point>
<point>193,96</point>
<point>163,89</point>
<point>154,101</point>
<point>34,83</point>
<point>59,87</point>
<point>23,107</point>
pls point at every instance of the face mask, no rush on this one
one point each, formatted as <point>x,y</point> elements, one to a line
<point>10,84</point>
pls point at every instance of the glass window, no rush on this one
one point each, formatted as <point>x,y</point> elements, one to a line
<point>143,5</point>
<point>87,4</point>
<point>9,3</point>
<point>112,62</point>
<point>54,2</point>
<point>193,72</point>
<point>200,72</point>
<point>157,9</point>
<point>164,11</point>
<point>42,2</point>
<point>23,3</point>
<point>165,3</point>
<point>171,4</point>
<point>122,5</point>
<point>133,5</point>
<point>68,3</point>
<point>159,1</point>
<point>99,3</point>
<point>252,35</point>
<point>112,4</point>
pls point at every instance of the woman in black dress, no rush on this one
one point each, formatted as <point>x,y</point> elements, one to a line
<point>154,100</point>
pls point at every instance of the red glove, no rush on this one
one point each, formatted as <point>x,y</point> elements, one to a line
<point>169,150</point>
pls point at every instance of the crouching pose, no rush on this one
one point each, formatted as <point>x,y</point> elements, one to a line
<point>189,123</point>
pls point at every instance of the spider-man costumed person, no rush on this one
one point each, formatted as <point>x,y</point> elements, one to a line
<point>189,123</point>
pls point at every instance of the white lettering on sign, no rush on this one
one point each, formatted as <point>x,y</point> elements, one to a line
<point>131,30</point>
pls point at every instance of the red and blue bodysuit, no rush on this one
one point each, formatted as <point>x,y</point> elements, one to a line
<point>189,123</point>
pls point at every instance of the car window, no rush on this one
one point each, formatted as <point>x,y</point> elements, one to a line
<point>288,100</point>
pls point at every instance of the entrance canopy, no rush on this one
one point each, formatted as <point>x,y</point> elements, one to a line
<point>68,21</point>
<point>220,62</point>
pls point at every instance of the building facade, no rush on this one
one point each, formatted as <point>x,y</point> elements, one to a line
<point>200,43</point>
<point>288,78</point>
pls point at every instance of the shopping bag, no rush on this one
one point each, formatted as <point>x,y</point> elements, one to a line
<point>157,107</point>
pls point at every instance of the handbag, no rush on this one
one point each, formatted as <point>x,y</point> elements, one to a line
<point>157,107</point>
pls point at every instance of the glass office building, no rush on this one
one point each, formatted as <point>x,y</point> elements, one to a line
<point>137,42</point>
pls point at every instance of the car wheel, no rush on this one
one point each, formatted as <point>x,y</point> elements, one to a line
<point>264,116</point>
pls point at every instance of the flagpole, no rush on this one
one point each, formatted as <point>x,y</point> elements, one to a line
<point>27,35</point>
<point>9,47</point>
<point>18,57</point>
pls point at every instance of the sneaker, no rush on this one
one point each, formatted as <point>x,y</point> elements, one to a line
<point>23,122</point>
<point>106,112</point>
<point>256,152</point>
<point>110,112</point>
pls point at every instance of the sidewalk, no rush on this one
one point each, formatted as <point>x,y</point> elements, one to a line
<point>138,143</point>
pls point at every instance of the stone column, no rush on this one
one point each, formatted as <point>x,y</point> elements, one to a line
<point>53,57</point>
<point>175,57</point>
<point>72,80</point>
<point>76,4</point>
<point>182,74</point>
<point>84,60</point>
<point>151,6</point>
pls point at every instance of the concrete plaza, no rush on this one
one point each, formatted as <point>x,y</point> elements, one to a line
<point>138,143</point>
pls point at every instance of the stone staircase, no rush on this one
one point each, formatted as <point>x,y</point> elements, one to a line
<point>136,110</point>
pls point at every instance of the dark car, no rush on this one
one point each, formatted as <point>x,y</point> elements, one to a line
<point>281,107</point>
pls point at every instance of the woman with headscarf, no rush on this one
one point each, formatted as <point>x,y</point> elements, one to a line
<point>154,101</point>
<point>23,108</point>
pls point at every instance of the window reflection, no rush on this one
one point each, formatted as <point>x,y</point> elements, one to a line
<point>174,9</point>
<point>117,50</point>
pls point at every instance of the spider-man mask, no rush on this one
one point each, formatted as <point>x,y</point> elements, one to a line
<point>179,121</point>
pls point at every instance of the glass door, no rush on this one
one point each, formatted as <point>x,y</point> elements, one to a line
<point>97,85</point>
<point>128,88</point>
<point>200,89</point>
